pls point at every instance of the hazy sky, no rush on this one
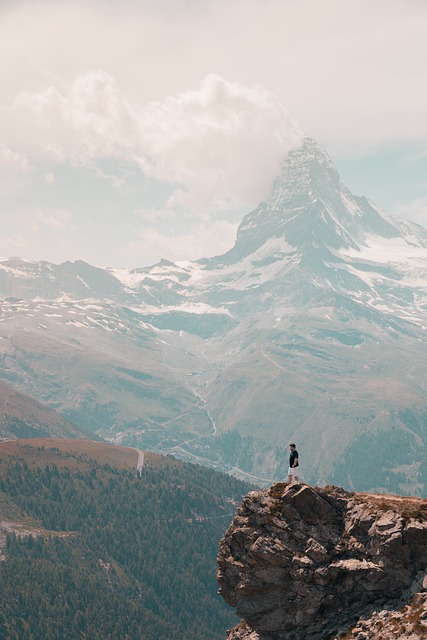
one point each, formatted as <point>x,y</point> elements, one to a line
<point>134,130</point>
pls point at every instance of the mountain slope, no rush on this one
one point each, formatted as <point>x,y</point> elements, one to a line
<point>90,549</point>
<point>24,417</point>
<point>310,329</point>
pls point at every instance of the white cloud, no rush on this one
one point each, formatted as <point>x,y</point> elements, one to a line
<point>156,215</point>
<point>15,172</point>
<point>199,241</point>
<point>85,120</point>
<point>222,144</point>
<point>58,221</point>
<point>12,160</point>
<point>13,245</point>
<point>351,72</point>
<point>42,234</point>
<point>48,179</point>
<point>415,211</point>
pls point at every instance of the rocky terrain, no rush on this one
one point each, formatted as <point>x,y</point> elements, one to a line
<point>304,563</point>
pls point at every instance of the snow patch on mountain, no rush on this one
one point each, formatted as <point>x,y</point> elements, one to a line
<point>16,272</point>
<point>259,267</point>
<point>197,308</point>
<point>128,277</point>
<point>80,279</point>
<point>387,250</point>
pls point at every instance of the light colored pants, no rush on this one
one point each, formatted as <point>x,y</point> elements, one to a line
<point>293,471</point>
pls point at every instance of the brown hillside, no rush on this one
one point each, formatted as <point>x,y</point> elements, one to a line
<point>24,417</point>
<point>73,453</point>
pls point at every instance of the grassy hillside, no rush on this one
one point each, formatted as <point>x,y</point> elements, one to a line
<point>93,550</point>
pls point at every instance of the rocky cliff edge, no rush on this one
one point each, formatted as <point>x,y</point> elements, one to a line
<point>304,563</point>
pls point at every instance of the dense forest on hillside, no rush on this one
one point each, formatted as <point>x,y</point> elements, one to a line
<point>120,557</point>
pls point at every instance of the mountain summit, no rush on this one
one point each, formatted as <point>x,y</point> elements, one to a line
<point>310,329</point>
<point>315,227</point>
<point>313,210</point>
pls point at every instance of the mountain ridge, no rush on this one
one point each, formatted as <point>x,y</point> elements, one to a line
<point>311,328</point>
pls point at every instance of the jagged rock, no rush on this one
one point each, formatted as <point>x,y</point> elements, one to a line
<point>408,623</point>
<point>304,563</point>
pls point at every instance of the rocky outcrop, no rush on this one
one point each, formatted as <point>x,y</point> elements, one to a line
<point>304,563</point>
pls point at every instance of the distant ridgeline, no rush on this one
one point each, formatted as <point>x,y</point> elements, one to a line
<point>92,551</point>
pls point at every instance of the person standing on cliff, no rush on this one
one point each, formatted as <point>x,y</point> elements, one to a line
<point>293,464</point>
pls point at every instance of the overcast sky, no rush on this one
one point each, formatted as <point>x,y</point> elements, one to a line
<point>134,130</point>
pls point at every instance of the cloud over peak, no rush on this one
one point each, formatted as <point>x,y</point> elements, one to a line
<point>223,143</point>
<point>220,145</point>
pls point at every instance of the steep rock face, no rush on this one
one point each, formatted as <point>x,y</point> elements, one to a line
<point>303,563</point>
<point>317,214</point>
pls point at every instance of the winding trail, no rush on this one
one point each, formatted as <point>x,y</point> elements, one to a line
<point>240,472</point>
<point>267,357</point>
<point>140,462</point>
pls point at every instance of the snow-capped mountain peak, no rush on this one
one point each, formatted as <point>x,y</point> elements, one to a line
<point>312,209</point>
